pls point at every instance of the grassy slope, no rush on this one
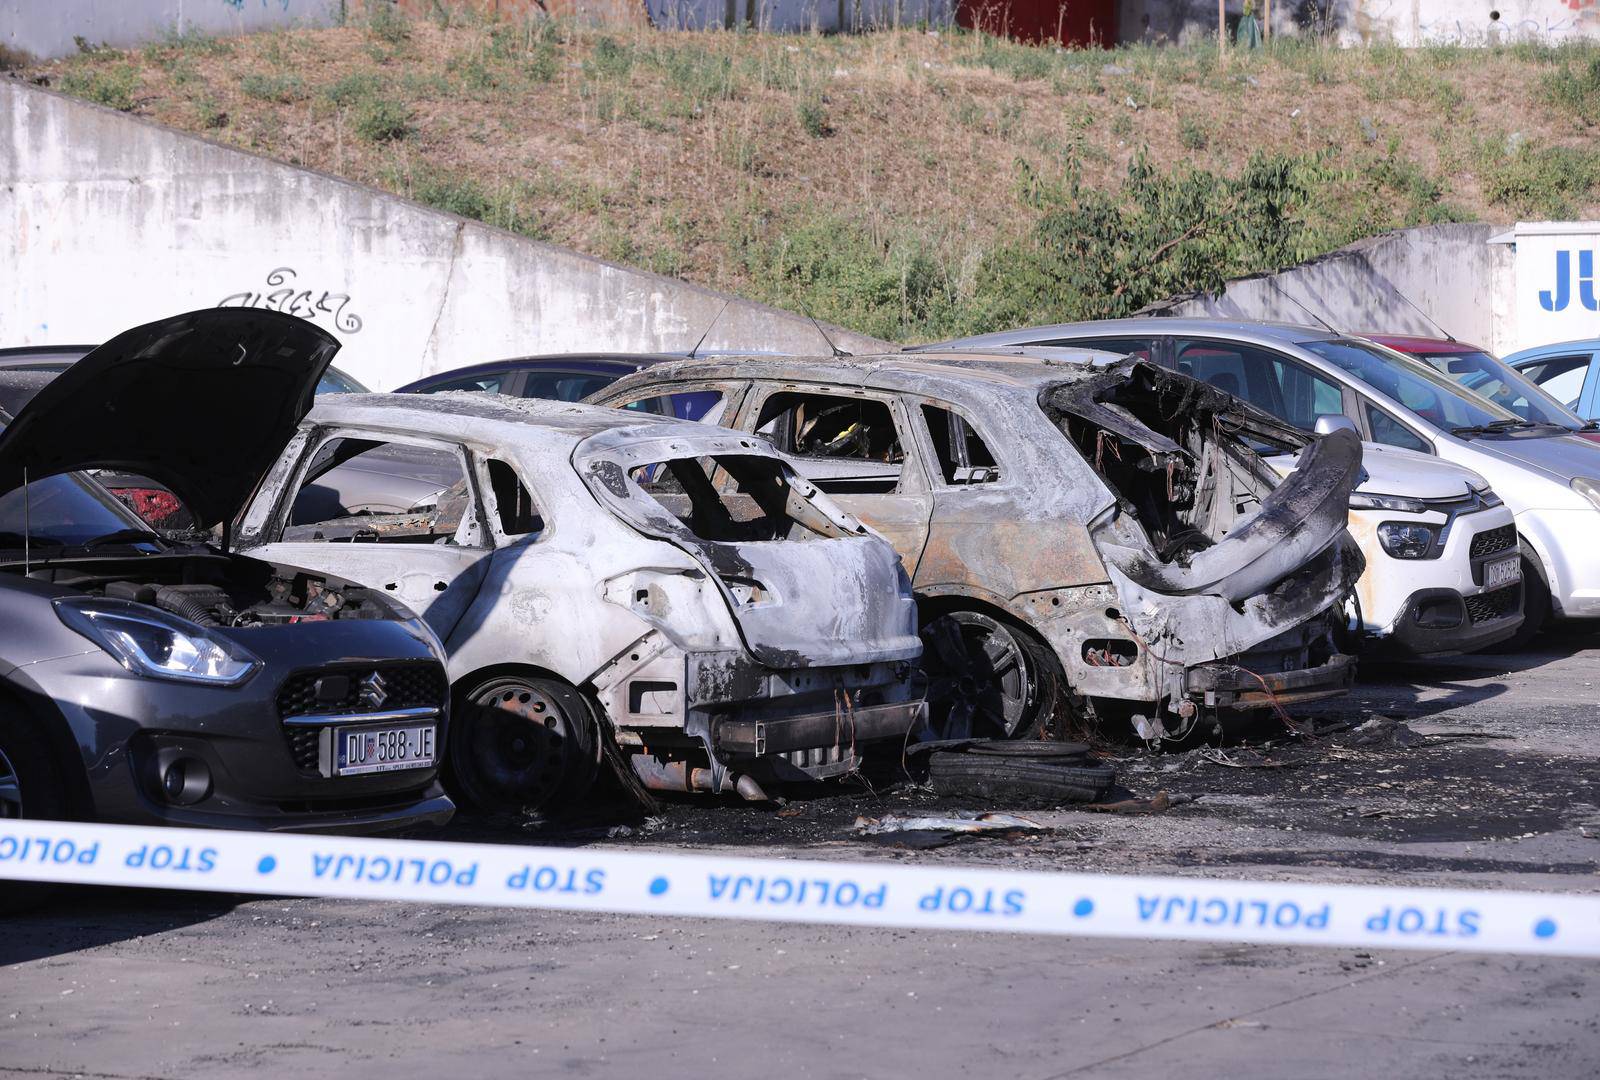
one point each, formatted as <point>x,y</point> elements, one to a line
<point>878,179</point>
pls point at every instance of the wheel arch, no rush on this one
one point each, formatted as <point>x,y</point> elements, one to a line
<point>42,714</point>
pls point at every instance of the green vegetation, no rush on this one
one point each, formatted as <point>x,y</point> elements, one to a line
<point>908,185</point>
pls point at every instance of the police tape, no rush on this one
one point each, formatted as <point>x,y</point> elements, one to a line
<point>926,896</point>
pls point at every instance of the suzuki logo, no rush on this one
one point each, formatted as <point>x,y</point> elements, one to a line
<point>374,691</point>
<point>1558,298</point>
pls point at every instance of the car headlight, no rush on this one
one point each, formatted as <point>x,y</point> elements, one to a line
<point>1589,489</point>
<point>1360,500</point>
<point>1405,540</point>
<point>153,643</point>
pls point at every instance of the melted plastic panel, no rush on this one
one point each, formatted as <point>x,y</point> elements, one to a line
<point>731,498</point>
<point>1181,456</point>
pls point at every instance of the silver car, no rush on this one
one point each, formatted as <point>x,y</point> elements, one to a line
<point>1549,476</point>
<point>669,590</point>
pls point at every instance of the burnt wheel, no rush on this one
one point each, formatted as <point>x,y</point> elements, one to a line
<point>986,680</point>
<point>522,743</point>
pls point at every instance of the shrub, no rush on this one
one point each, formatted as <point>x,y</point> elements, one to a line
<point>814,118</point>
<point>386,23</point>
<point>381,119</point>
<point>112,86</point>
<point>352,88</point>
<point>1575,91</point>
<point>284,89</point>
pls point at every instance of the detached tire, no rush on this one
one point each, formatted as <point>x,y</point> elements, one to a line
<point>31,786</point>
<point>520,743</point>
<point>1018,781</point>
<point>1535,604</point>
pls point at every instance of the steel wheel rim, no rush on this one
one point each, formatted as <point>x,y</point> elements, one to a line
<point>982,673</point>
<point>10,789</point>
<point>518,744</point>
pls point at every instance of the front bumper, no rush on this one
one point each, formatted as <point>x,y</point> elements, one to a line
<point>1226,685</point>
<point>1442,622</point>
<point>130,730</point>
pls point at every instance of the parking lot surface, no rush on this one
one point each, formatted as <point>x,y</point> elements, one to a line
<point>1474,772</point>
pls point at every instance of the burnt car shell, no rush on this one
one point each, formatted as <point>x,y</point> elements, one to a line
<point>1128,524</point>
<point>128,734</point>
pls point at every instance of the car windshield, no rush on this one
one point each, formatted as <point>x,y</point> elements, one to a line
<point>63,511</point>
<point>1502,384</point>
<point>334,381</point>
<point>1415,385</point>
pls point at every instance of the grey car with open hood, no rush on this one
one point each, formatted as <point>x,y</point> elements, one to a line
<point>1083,536</point>
<point>146,680</point>
<point>659,589</point>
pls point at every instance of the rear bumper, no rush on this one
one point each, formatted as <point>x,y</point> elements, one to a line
<point>1227,685</point>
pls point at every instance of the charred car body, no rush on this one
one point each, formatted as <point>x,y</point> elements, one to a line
<point>148,681</point>
<point>679,584</point>
<point>1078,531</point>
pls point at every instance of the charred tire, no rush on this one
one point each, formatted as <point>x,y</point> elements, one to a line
<point>31,786</point>
<point>1018,781</point>
<point>1535,603</point>
<point>520,743</point>
<point>987,678</point>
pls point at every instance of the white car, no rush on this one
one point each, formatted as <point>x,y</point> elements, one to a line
<point>1547,473</point>
<point>1441,552</point>
<point>669,589</point>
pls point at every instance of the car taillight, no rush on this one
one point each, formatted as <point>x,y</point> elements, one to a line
<point>152,504</point>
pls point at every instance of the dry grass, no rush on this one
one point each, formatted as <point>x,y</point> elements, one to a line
<point>710,156</point>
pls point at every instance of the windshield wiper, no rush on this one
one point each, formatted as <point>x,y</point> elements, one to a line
<point>123,536</point>
<point>1492,427</point>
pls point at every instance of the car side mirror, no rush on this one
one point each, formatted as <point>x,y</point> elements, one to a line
<point>1328,423</point>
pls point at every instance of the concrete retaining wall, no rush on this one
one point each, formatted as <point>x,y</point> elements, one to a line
<point>48,28</point>
<point>1417,281</point>
<point>1366,22</point>
<point>107,221</point>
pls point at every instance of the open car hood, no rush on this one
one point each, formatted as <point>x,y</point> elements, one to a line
<point>202,403</point>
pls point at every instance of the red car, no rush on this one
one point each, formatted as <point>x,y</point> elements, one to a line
<point>1478,370</point>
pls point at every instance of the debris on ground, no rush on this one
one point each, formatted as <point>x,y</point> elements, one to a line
<point>1244,758</point>
<point>1159,803</point>
<point>1386,731</point>
<point>931,831</point>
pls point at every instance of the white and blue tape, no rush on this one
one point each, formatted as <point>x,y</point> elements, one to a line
<point>931,896</point>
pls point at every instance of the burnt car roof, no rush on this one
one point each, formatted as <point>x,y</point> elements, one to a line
<point>1250,330</point>
<point>482,418</point>
<point>1023,369</point>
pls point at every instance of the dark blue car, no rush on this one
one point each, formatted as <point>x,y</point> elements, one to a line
<point>562,377</point>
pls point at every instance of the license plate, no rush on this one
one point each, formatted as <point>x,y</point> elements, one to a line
<point>382,749</point>
<point>1503,572</point>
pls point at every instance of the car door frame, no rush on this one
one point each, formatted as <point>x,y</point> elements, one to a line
<point>910,545</point>
<point>474,521</point>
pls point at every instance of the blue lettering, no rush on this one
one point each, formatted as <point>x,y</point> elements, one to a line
<point>1563,291</point>
<point>1586,281</point>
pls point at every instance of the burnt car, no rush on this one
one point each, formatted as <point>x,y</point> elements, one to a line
<point>665,591</point>
<point>1088,539</point>
<point>147,681</point>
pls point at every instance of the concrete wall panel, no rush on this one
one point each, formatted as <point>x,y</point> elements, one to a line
<point>107,221</point>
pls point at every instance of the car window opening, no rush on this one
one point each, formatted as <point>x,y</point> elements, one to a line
<point>517,513</point>
<point>846,444</point>
<point>734,498</point>
<point>370,491</point>
<point>963,456</point>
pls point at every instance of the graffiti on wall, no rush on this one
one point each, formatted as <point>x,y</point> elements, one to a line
<point>283,293</point>
<point>1558,19</point>
<point>238,5</point>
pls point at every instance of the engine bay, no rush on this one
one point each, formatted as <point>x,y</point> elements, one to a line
<point>212,589</point>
